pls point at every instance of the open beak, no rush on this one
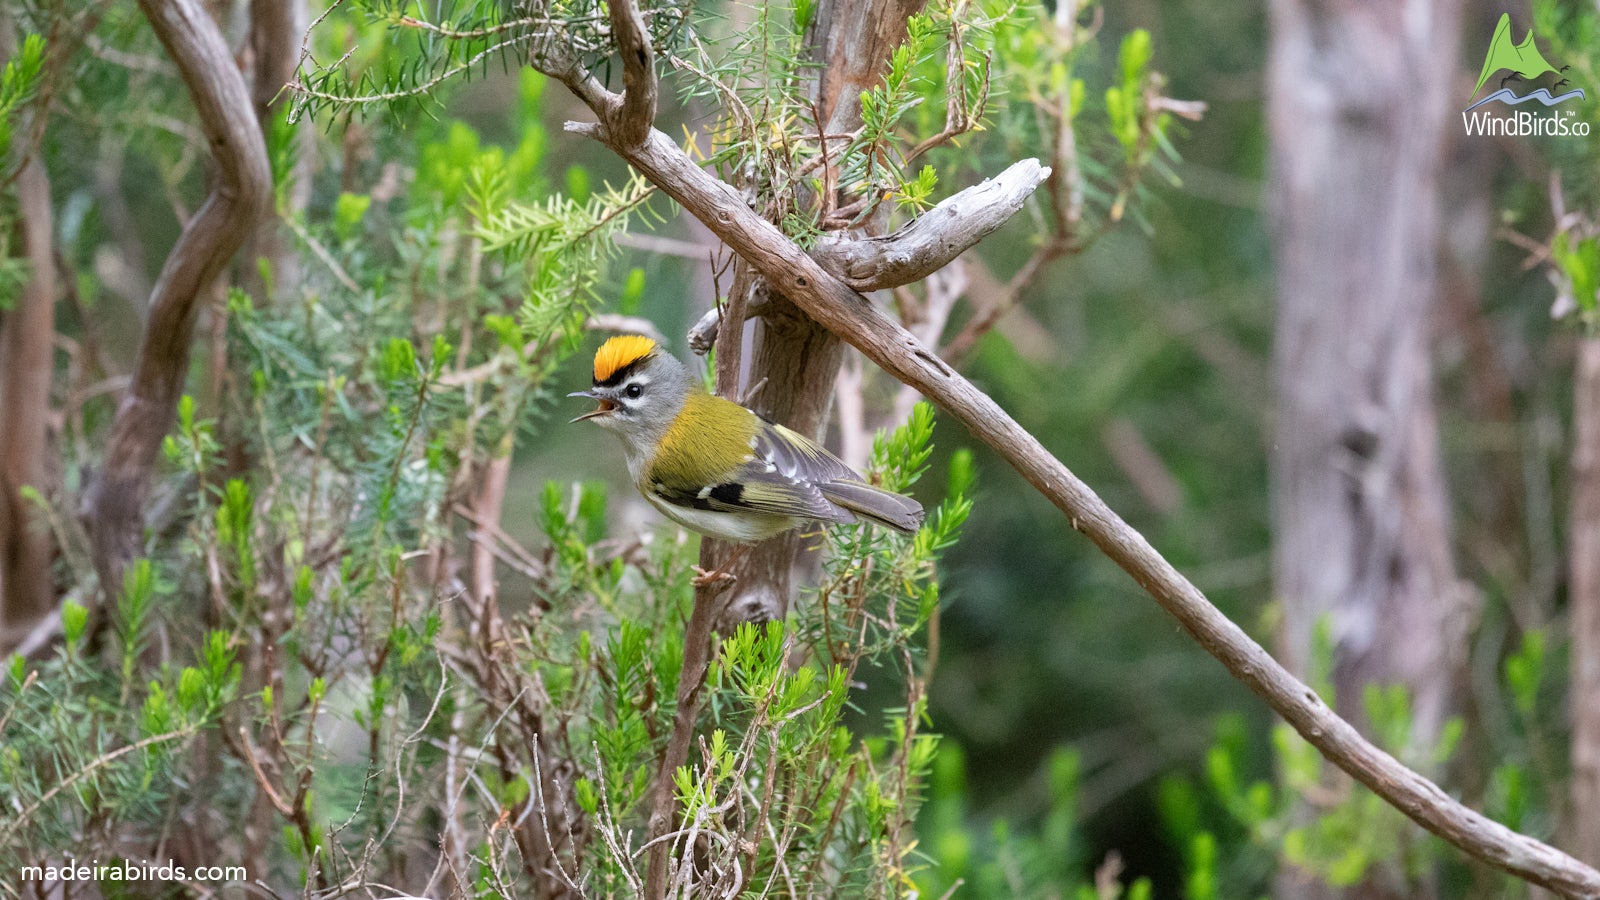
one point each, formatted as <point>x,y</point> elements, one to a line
<point>606,406</point>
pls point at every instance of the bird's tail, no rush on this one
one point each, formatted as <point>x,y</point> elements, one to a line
<point>896,511</point>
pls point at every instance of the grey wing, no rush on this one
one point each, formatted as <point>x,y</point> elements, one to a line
<point>797,458</point>
<point>896,511</point>
<point>792,455</point>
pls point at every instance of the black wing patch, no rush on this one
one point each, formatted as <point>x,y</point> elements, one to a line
<point>758,492</point>
<point>722,496</point>
<point>727,494</point>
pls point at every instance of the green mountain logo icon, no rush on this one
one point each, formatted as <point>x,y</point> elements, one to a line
<point>1523,60</point>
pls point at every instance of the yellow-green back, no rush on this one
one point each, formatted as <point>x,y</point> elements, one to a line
<point>718,442</point>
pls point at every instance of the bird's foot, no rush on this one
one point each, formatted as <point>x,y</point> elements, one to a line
<point>703,578</point>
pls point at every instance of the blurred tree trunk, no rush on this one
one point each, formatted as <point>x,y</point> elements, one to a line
<point>1358,104</point>
<point>1585,605</point>
<point>27,357</point>
<point>276,29</point>
<point>794,362</point>
<point>27,340</point>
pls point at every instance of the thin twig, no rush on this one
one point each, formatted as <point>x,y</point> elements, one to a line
<point>322,253</point>
<point>87,769</point>
<point>416,90</point>
<point>696,663</point>
<point>477,33</point>
<point>278,803</point>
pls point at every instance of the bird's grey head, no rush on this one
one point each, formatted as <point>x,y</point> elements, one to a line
<point>640,389</point>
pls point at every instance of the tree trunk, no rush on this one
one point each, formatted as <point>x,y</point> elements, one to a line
<point>1584,601</point>
<point>1359,502</point>
<point>793,360</point>
<point>26,357</point>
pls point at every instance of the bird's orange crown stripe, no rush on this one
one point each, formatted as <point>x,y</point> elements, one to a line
<point>619,353</point>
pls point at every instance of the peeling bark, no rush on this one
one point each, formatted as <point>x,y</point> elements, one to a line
<point>934,239</point>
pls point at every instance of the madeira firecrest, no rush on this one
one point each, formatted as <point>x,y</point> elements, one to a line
<point>717,468</point>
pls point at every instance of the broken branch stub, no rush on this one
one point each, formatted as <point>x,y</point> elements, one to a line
<point>935,238</point>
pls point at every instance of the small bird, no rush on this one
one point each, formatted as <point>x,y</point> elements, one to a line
<point>717,468</point>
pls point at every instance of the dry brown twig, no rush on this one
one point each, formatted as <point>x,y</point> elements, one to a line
<point>626,128</point>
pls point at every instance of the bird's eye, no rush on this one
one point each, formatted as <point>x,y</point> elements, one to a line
<point>634,391</point>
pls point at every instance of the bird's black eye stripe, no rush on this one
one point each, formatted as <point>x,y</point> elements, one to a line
<point>634,390</point>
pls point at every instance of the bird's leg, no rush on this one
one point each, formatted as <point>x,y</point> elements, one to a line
<point>721,573</point>
<point>703,578</point>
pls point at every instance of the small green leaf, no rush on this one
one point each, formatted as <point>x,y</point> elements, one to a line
<point>191,688</point>
<point>74,618</point>
<point>1133,56</point>
<point>399,360</point>
<point>588,798</point>
<point>1524,672</point>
